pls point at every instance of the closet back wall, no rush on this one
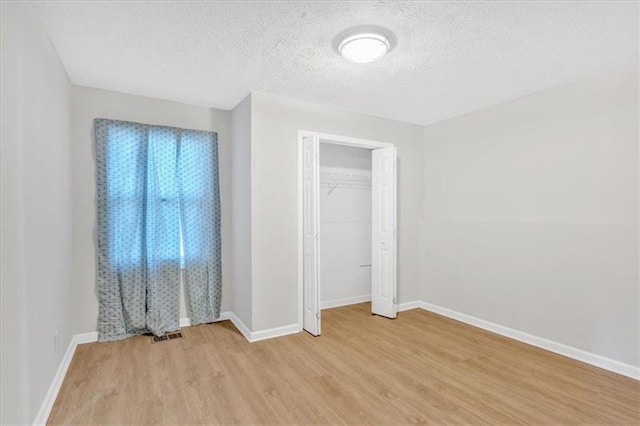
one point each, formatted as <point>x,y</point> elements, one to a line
<point>87,104</point>
<point>345,225</point>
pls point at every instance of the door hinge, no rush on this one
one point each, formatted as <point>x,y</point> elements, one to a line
<point>317,315</point>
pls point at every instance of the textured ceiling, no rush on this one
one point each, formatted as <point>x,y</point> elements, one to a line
<point>450,58</point>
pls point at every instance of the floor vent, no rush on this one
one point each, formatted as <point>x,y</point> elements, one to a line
<point>168,336</point>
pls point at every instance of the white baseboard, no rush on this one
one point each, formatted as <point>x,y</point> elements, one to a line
<point>86,338</point>
<point>270,333</point>
<point>56,383</point>
<point>241,326</point>
<point>251,336</point>
<point>408,306</point>
<point>345,302</point>
<point>54,388</point>
<point>540,342</point>
<point>186,322</point>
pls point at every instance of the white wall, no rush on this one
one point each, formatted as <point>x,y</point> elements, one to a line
<point>531,219</point>
<point>345,224</point>
<point>274,197</point>
<point>35,214</point>
<point>241,210</point>
<point>88,104</point>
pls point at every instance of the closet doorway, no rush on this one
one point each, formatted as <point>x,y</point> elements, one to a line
<point>339,179</point>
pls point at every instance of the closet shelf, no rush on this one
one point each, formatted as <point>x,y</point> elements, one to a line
<point>345,178</point>
<point>345,184</point>
<point>357,177</point>
<point>335,185</point>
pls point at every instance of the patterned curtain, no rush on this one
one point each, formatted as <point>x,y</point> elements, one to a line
<point>158,224</point>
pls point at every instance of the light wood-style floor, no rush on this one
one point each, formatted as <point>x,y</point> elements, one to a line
<point>418,368</point>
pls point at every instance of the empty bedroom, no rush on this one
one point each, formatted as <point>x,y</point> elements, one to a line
<point>320,212</point>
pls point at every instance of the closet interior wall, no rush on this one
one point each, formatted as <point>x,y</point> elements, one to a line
<point>345,225</point>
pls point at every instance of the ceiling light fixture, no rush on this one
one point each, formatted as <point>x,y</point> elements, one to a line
<point>364,46</point>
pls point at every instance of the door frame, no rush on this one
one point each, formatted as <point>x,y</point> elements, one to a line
<point>323,138</point>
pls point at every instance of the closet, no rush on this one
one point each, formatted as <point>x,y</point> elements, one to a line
<point>345,225</point>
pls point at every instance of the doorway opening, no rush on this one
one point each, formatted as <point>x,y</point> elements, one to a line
<point>347,225</point>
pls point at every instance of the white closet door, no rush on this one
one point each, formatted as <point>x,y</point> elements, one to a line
<point>383,238</point>
<point>311,237</point>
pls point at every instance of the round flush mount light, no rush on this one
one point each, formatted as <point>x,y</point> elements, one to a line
<point>364,44</point>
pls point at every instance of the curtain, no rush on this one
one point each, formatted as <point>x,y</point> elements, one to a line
<point>158,224</point>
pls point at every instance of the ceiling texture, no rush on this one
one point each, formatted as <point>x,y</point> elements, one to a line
<point>450,58</point>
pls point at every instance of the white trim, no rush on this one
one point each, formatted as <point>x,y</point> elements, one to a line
<point>56,383</point>
<point>408,306</point>
<point>83,338</point>
<point>242,328</point>
<point>270,333</point>
<point>251,336</point>
<point>540,342</point>
<point>344,140</point>
<point>186,322</point>
<point>54,388</point>
<point>328,304</point>
<point>301,135</point>
<point>256,336</point>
